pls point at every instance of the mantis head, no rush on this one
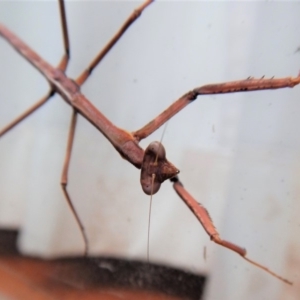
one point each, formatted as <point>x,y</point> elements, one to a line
<point>155,168</point>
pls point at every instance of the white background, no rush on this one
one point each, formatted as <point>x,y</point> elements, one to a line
<point>238,154</point>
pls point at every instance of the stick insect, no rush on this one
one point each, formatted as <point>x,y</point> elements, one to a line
<point>127,144</point>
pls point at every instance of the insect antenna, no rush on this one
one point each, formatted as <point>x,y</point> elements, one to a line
<point>149,219</point>
<point>151,196</point>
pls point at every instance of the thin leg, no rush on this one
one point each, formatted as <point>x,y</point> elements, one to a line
<point>65,59</point>
<point>246,85</point>
<point>62,65</point>
<point>64,179</point>
<point>202,215</point>
<point>26,113</point>
<point>81,79</point>
<point>135,14</point>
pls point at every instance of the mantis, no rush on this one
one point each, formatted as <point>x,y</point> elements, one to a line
<point>134,154</point>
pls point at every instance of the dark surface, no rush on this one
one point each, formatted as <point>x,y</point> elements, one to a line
<point>8,242</point>
<point>99,273</point>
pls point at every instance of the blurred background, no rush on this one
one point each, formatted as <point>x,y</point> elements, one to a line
<point>238,153</point>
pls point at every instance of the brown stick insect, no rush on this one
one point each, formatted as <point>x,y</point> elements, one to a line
<point>152,161</point>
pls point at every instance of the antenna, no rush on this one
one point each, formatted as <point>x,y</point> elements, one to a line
<point>151,196</point>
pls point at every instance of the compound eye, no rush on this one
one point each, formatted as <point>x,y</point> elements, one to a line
<point>156,149</point>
